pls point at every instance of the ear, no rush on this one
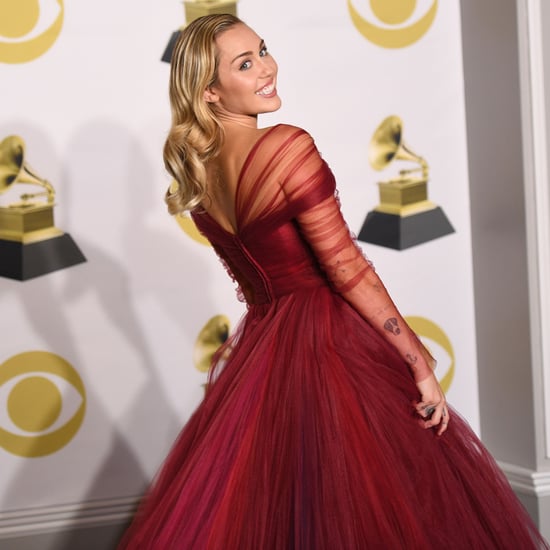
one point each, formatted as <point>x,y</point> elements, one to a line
<point>210,96</point>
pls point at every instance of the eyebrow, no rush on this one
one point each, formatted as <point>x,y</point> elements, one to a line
<point>244,54</point>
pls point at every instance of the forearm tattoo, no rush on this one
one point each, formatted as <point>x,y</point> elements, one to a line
<point>391,326</point>
<point>411,360</point>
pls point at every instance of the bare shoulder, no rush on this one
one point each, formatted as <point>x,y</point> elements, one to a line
<point>287,132</point>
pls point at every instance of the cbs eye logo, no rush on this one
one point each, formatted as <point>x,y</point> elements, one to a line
<point>431,334</point>
<point>188,225</point>
<point>28,28</point>
<point>42,404</point>
<point>400,23</point>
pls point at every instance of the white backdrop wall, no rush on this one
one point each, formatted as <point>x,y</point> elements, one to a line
<point>93,111</point>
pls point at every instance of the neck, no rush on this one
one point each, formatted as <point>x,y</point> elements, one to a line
<point>231,119</point>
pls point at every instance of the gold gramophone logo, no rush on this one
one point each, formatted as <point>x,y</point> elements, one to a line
<point>212,335</point>
<point>42,403</point>
<point>30,244</point>
<point>209,340</point>
<point>405,216</point>
<point>28,28</point>
<point>394,28</point>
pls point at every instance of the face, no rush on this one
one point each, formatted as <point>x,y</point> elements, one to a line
<point>247,74</point>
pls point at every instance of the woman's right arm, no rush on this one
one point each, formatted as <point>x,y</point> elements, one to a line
<point>310,190</point>
<point>354,278</point>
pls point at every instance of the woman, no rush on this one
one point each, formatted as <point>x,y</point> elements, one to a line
<point>326,427</point>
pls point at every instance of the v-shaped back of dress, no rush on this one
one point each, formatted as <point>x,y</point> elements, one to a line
<point>282,176</point>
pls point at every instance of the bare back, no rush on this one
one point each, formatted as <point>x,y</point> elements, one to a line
<point>224,174</point>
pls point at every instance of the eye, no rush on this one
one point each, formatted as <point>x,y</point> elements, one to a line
<point>42,404</point>
<point>245,66</point>
<point>264,52</point>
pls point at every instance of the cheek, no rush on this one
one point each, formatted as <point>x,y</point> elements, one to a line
<point>229,87</point>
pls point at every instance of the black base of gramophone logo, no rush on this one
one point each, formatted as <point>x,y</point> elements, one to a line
<point>405,217</point>
<point>194,10</point>
<point>30,244</point>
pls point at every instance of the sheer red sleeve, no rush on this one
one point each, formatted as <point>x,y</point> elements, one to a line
<point>310,190</point>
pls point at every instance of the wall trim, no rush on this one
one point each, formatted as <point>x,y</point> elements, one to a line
<point>537,204</point>
<point>526,481</point>
<point>68,516</point>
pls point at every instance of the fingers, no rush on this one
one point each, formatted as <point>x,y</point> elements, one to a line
<point>444,423</point>
<point>434,414</point>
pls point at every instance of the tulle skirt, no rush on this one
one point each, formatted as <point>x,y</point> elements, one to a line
<point>307,439</point>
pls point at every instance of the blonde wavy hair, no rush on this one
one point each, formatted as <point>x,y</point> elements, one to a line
<point>196,135</point>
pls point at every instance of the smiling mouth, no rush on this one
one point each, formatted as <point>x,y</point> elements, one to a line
<point>266,90</point>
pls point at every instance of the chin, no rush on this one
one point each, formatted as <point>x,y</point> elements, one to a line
<point>274,106</point>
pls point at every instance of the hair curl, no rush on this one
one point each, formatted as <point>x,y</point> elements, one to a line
<point>196,134</point>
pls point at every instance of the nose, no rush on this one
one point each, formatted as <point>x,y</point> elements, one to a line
<point>268,67</point>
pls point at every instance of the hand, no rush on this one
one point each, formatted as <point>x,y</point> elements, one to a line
<point>433,405</point>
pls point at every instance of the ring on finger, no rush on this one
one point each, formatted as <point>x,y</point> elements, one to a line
<point>429,410</point>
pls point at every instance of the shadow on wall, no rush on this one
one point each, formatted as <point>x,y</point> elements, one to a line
<point>107,194</point>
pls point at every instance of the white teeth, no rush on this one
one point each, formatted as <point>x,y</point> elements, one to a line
<point>266,90</point>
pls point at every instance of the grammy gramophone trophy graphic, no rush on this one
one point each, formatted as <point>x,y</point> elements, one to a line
<point>405,217</point>
<point>30,244</point>
<point>214,333</point>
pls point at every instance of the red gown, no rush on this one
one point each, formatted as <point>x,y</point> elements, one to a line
<point>307,438</point>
